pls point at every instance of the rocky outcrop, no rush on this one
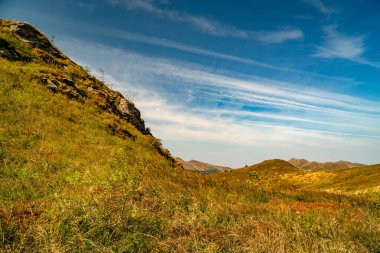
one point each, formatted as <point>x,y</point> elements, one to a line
<point>61,75</point>
<point>36,38</point>
<point>62,86</point>
<point>109,100</point>
<point>50,84</point>
<point>129,112</point>
<point>68,81</point>
<point>78,87</point>
<point>9,52</point>
<point>53,62</point>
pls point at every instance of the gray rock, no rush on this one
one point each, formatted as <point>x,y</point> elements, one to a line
<point>128,108</point>
<point>36,38</point>
<point>123,106</point>
<point>130,113</point>
<point>73,94</point>
<point>68,81</point>
<point>9,52</point>
<point>113,94</point>
<point>53,88</point>
<point>50,84</point>
<point>53,62</point>
<point>92,90</point>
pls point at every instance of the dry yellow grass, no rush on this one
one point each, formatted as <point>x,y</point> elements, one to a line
<point>72,180</point>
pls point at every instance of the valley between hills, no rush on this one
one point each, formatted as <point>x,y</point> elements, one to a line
<point>80,172</point>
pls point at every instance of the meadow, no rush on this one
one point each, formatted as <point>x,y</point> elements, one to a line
<point>75,177</point>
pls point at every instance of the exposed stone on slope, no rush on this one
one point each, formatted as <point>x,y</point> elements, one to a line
<point>73,94</point>
<point>50,84</point>
<point>71,90</point>
<point>36,38</point>
<point>68,81</point>
<point>129,112</point>
<point>92,90</point>
<point>9,52</point>
<point>53,62</point>
<point>113,100</point>
<point>75,87</point>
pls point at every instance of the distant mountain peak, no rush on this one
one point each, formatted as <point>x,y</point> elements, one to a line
<point>202,167</point>
<point>306,165</point>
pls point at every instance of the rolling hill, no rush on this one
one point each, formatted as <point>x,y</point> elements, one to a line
<point>316,166</point>
<point>80,172</point>
<point>202,167</point>
<point>280,174</point>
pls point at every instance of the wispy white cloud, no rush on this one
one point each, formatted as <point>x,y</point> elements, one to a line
<point>338,45</point>
<point>170,44</point>
<point>204,52</point>
<point>210,26</point>
<point>304,117</point>
<point>146,69</point>
<point>199,22</point>
<point>320,6</point>
<point>279,36</point>
<point>265,90</point>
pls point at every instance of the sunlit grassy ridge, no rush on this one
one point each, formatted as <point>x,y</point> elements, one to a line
<point>316,166</point>
<point>282,175</point>
<point>77,178</point>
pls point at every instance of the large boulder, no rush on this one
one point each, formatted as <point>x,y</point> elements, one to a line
<point>129,112</point>
<point>50,84</point>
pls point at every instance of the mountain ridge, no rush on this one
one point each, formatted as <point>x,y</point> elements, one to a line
<point>202,167</point>
<point>277,173</point>
<point>316,166</point>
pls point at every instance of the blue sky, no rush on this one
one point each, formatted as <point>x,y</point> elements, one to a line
<point>233,82</point>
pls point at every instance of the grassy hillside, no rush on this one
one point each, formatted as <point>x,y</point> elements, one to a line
<point>353,180</point>
<point>80,174</point>
<point>281,175</point>
<point>316,166</point>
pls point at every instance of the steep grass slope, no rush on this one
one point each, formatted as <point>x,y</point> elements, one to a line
<point>80,173</point>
